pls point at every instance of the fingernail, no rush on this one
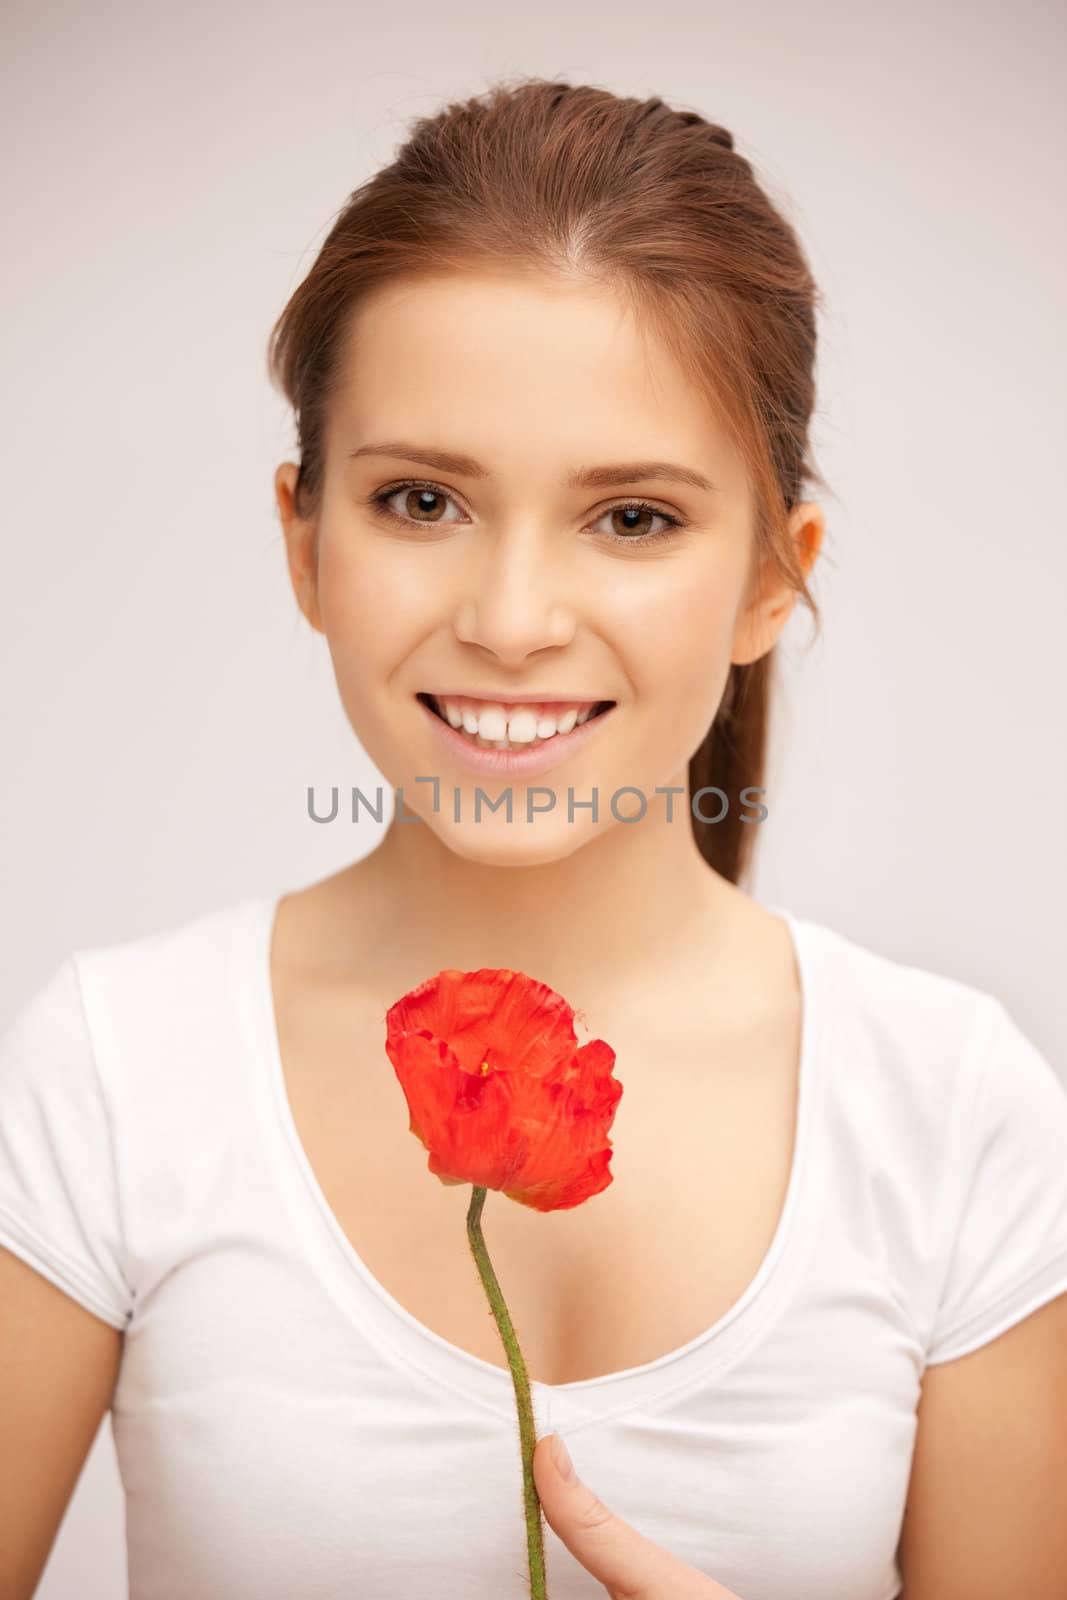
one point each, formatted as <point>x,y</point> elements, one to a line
<point>562,1459</point>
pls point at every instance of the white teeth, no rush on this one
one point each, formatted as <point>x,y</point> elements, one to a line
<point>490,723</point>
<point>501,728</point>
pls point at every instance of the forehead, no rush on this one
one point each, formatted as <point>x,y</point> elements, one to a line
<point>499,362</point>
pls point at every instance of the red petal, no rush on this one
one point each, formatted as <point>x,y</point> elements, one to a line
<point>493,1013</point>
<point>498,1090</point>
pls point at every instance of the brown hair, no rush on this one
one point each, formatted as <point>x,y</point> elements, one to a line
<point>652,202</point>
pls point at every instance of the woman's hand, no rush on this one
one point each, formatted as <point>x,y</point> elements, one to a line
<point>629,1566</point>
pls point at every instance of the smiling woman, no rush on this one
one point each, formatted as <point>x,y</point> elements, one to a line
<point>689,371</point>
<point>552,372</point>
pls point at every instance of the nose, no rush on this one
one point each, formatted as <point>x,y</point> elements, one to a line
<point>514,598</point>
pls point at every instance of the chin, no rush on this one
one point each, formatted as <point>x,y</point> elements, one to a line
<point>515,844</point>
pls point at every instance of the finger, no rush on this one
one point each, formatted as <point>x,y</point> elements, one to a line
<point>630,1566</point>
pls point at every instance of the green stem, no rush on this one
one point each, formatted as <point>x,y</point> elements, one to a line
<point>534,1530</point>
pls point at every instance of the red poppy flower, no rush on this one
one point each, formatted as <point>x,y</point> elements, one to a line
<point>499,1090</point>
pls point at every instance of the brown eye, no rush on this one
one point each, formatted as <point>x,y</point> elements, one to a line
<point>639,533</point>
<point>637,527</point>
<point>416,503</point>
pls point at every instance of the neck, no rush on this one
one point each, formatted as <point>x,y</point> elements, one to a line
<point>623,908</point>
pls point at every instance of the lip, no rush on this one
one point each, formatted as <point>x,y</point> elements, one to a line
<point>516,699</point>
<point>502,762</point>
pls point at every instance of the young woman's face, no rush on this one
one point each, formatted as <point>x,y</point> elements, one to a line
<point>499,575</point>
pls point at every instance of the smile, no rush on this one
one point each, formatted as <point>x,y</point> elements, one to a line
<point>490,725</point>
<point>485,738</point>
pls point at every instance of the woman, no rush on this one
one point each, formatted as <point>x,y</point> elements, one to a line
<point>553,371</point>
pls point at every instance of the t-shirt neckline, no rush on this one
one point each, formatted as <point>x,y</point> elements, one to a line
<point>400,1334</point>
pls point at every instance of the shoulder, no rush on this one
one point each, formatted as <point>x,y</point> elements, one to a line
<point>143,1009</point>
<point>896,993</point>
<point>934,1080</point>
<point>948,1132</point>
<point>106,1002</point>
<point>905,1054</point>
<point>184,963</point>
<point>907,1033</point>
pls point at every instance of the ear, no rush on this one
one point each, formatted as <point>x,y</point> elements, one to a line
<point>300,545</point>
<point>766,613</point>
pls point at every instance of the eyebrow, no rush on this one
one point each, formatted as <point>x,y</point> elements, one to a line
<point>581,478</point>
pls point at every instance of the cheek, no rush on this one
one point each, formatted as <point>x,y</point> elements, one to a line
<point>680,644</point>
<point>372,606</point>
<point>676,651</point>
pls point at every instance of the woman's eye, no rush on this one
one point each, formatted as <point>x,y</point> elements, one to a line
<point>634,521</point>
<point>417,502</point>
<point>630,524</point>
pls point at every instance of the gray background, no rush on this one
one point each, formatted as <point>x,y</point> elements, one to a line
<point>168,175</point>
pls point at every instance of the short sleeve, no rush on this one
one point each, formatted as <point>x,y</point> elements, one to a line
<point>1008,1251</point>
<point>59,1208</point>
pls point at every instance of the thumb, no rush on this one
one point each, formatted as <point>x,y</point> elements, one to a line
<point>630,1566</point>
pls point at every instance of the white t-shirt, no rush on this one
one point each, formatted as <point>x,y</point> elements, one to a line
<point>284,1427</point>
